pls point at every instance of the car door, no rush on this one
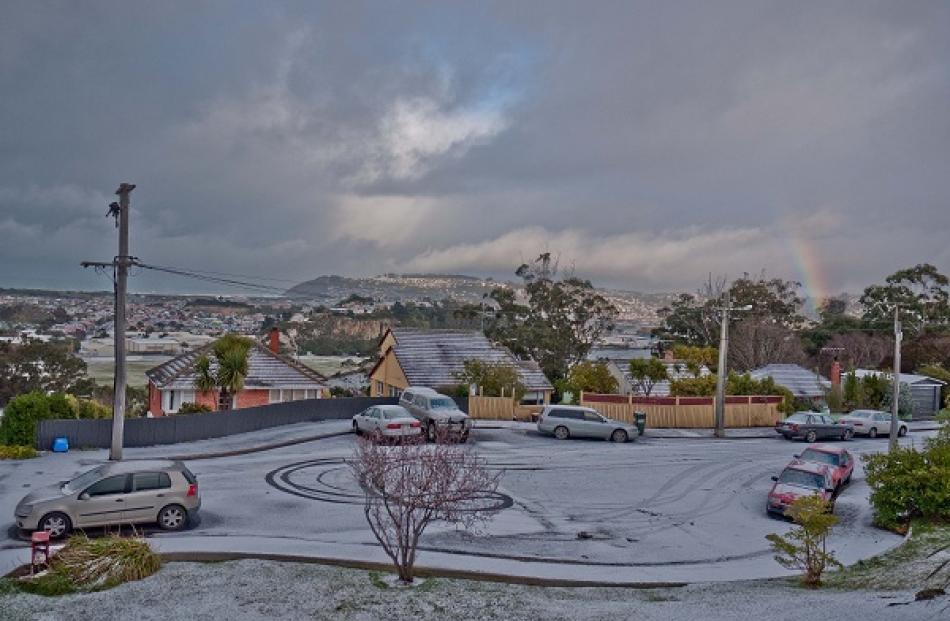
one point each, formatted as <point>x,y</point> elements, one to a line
<point>102,502</point>
<point>364,420</point>
<point>594,425</point>
<point>828,427</point>
<point>147,496</point>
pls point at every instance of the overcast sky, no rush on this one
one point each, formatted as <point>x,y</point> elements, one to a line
<point>647,144</point>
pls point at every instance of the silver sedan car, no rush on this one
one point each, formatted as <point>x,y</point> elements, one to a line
<point>387,422</point>
<point>125,492</point>
<point>569,421</point>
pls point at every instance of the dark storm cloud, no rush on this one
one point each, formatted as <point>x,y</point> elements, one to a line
<point>646,143</point>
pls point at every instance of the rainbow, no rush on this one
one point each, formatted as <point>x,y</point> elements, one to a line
<point>809,264</point>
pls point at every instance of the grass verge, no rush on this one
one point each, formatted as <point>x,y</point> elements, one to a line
<point>922,562</point>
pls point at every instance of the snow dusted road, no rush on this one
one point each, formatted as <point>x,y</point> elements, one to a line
<point>653,510</point>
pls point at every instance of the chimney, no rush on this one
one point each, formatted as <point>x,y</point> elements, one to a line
<point>835,375</point>
<point>275,340</point>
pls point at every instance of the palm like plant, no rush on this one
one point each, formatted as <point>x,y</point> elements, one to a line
<point>231,367</point>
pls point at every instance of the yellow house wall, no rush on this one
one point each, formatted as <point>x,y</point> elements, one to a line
<point>390,374</point>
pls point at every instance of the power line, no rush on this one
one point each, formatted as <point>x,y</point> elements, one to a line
<point>215,279</point>
<point>246,277</point>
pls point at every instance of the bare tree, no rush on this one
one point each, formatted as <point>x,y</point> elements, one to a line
<point>409,486</point>
<point>755,343</point>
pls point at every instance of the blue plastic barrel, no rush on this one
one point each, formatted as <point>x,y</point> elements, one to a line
<point>60,445</point>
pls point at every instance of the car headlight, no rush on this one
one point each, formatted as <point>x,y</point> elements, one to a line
<point>24,510</point>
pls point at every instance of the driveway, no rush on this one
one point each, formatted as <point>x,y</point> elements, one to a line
<point>659,509</point>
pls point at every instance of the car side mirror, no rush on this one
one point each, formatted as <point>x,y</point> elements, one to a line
<point>796,456</point>
<point>84,496</point>
<point>775,478</point>
<point>830,490</point>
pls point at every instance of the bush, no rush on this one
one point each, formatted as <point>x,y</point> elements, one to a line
<point>17,452</point>
<point>95,564</point>
<point>906,483</point>
<point>804,547</point>
<point>193,408</point>
<point>18,425</point>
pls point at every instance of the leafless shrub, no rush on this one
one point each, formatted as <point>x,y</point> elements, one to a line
<point>409,486</point>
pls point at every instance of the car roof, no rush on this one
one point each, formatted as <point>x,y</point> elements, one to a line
<point>579,408</point>
<point>827,448</point>
<point>808,466</point>
<point>139,465</point>
<point>392,408</point>
<point>421,390</point>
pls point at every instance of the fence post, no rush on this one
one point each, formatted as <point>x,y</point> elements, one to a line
<point>581,399</point>
<point>749,410</point>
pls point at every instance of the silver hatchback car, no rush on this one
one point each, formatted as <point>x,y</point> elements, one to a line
<point>571,421</point>
<point>125,492</point>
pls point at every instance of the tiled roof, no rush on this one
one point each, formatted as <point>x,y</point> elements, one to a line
<point>435,357</point>
<point>801,381</point>
<point>265,370</point>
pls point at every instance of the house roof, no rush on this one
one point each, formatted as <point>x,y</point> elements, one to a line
<point>801,381</point>
<point>265,370</point>
<point>905,378</point>
<point>676,369</point>
<point>435,357</point>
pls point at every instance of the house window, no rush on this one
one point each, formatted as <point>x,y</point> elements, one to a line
<point>172,399</point>
<point>393,391</point>
<point>380,388</point>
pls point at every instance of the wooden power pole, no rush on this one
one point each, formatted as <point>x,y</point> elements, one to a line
<point>120,265</point>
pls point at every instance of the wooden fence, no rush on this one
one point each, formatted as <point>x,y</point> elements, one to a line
<point>687,412</point>
<point>501,408</point>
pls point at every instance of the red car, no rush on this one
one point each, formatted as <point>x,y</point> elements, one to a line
<point>800,479</point>
<point>839,462</point>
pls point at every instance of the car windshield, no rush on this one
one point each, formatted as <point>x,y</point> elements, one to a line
<point>442,403</point>
<point>394,414</point>
<point>820,457</point>
<point>801,478</point>
<point>797,418</point>
<point>83,480</point>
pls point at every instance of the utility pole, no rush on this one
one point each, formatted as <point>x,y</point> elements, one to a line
<point>721,370</point>
<point>896,391</point>
<point>120,265</point>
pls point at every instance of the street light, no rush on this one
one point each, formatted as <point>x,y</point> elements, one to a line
<point>721,371</point>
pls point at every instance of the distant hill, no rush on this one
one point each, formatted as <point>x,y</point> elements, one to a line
<point>395,287</point>
<point>633,305</point>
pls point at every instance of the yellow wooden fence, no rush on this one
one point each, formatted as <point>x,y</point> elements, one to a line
<point>687,412</point>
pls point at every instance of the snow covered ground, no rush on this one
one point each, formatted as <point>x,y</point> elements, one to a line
<point>660,509</point>
<point>257,590</point>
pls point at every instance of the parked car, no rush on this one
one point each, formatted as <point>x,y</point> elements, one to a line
<point>438,413</point>
<point>811,426</point>
<point>125,492</point>
<point>873,423</point>
<point>568,421</point>
<point>797,480</point>
<point>839,461</point>
<point>390,422</point>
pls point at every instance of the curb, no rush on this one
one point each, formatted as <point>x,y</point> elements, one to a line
<point>205,557</point>
<point>257,449</point>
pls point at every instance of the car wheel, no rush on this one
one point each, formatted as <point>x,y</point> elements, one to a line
<point>811,436</point>
<point>356,429</point>
<point>901,431</point>
<point>56,524</point>
<point>848,434</point>
<point>463,438</point>
<point>619,436</point>
<point>872,432</point>
<point>172,517</point>
<point>430,432</point>
<point>847,479</point>
<point>561,433</point>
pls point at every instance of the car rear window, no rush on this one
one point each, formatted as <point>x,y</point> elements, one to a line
<point>820,457</point>
<point>393,414</point>
<point>798,418</point>
<point>574,414</point>
<point>143,481</point>
<point>189,476</point>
